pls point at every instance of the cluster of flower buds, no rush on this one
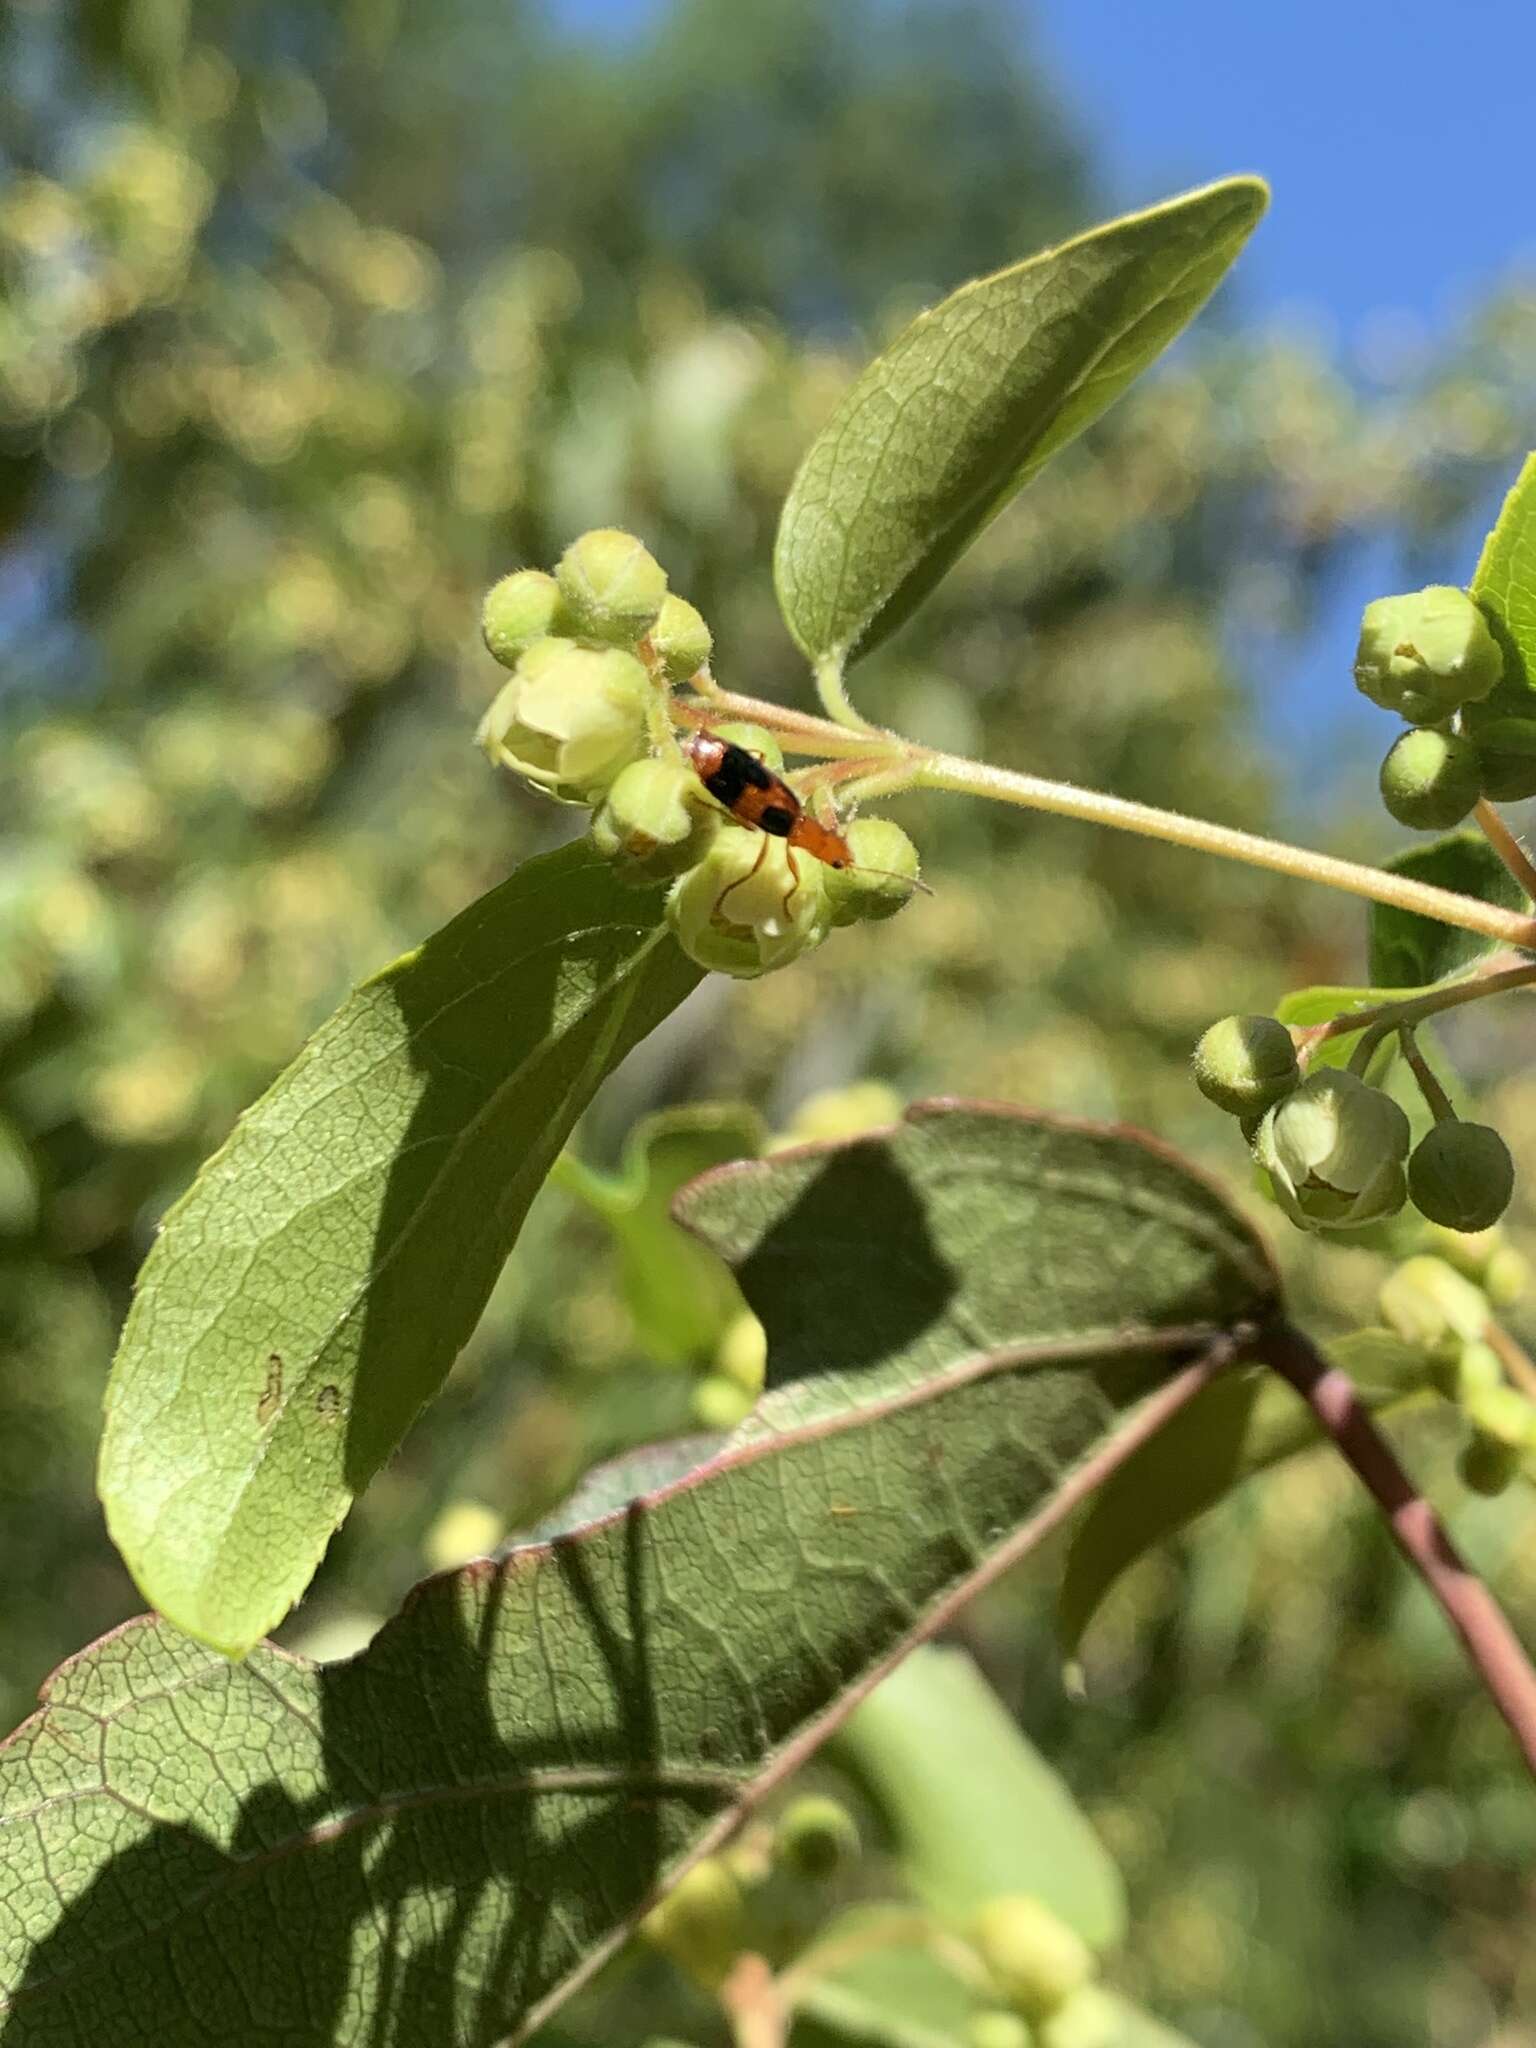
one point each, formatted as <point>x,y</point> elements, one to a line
<point>1447,1316</point>
<point>1431,656</point>
<point>1336,1149</point>
<point>767,1895</point>
<point>595,650</point>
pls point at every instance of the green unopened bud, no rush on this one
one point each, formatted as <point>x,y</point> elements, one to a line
<point>815,1839</point>
<point>1506,756</point>
<point>520,609</point>
<point>1431,1307</point>
<point>681,639</point>
<point>569,718</point>
<point>1506,1276</point>
<point>1426,654</point>
<point>745,909</point>
<point>701,1923</point>
<point>1503,1413</point>
<point>613,586</point>
<point>1461,1175</point>
<point>652,824</point>
<point>1035,1960</point>
<point>1486,1466</point>
<point>998,2030</point>
<point>1334,1150</point>
<point>741,1356</point>
<point>1091,2018</point>
<point>1244,1064</point>
<point>1430,780</point>
<point>1476,1374</point>
<point>883,875</point>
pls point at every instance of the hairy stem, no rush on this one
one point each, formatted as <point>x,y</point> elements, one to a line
<point>833,694</point>
<point>1506,846</point>
<point>1434,1095</point>
<point>1472,1611</point>
<point>1065,799</point>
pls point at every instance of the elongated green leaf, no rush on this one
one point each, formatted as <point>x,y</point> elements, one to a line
<point>1504,584</point>
<point>974,1810</point>
<point>972,399</point>
<point>431,1846</point>
<point>1407,950</point>
<point>678,1293</point>
<point>1239,1426</point>
<point>312,1289</point>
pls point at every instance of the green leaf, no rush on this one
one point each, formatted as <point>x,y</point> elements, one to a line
<point>435,1844</point>
<point>896,1994</point>
<point>312,1289</point>
<point>679,1294</point>
<point>1240,1425</point>
<point>1409,951</point>
<point>967,403</point>
<point>1504,585</point>
<point>974,1810</point>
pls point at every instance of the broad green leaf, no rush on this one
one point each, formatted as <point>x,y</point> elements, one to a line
<point>1241,1425</point>
<point>679,1294</point>
<point>967,403</point>
<point>312,1289</point>
<point>433,1845</point>
<point>973,1809</point>
<point>1504,585</point>
<point>1409,951</point>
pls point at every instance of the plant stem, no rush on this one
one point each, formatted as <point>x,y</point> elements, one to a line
<point>1490,1642</point>
<point>1434,1095</point>
<point>819,734</point>
<point>1065,799</point>
<point>829,687</point>
<point>1506,846</point>
<point>1493,978</point>
<point>1512,1356</point>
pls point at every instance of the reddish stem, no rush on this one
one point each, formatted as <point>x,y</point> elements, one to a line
<point>1471,1609</point>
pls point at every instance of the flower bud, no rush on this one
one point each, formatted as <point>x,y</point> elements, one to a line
<point>1334,1151</point>
<point>815,1838</point>
<point>744,909</point>
<point>1091,2018</point>
<point>719,1403</point>
<point>1426,654</point>
<point>652,824</point>
<point>1461,1175</point>
<point>881,878</point>
<point>1244,1064</point>
<point>998,2029</point>
<point>520,609</point>
<point>1486,1466</point>
<point>741,1356</point>
<point>1432,1308</point>
<point>701,1923</point>
<point>1477,1374</point>
<point>1035,1960</point>
<point>681,639</point>
<point>1506,1276</point>
<point>569,718</point>
<point>1430,779</point>
<point>612,585</point>
<point>1503,1413</point>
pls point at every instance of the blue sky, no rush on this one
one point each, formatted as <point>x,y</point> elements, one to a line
<point>1398,136</point>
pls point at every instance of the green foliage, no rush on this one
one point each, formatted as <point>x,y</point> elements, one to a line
<point>969,402</point>
<point>615,1699</point>
<point>973,1811</point>
<point>392,1166</point>
<point>1408,951</point>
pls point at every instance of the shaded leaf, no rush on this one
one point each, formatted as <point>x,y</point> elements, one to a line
<point>1408,951</point>
<point>971,399</point>
<point>974,1810</point>
<point>311,1290</point>
<point>1240,1425</point>
<point>679,1294</point>
<point>443,1838</point>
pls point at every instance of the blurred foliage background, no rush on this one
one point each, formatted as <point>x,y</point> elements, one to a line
<point>317,318</point>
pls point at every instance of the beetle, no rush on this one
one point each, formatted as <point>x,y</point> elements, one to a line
<point>754,795</point>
